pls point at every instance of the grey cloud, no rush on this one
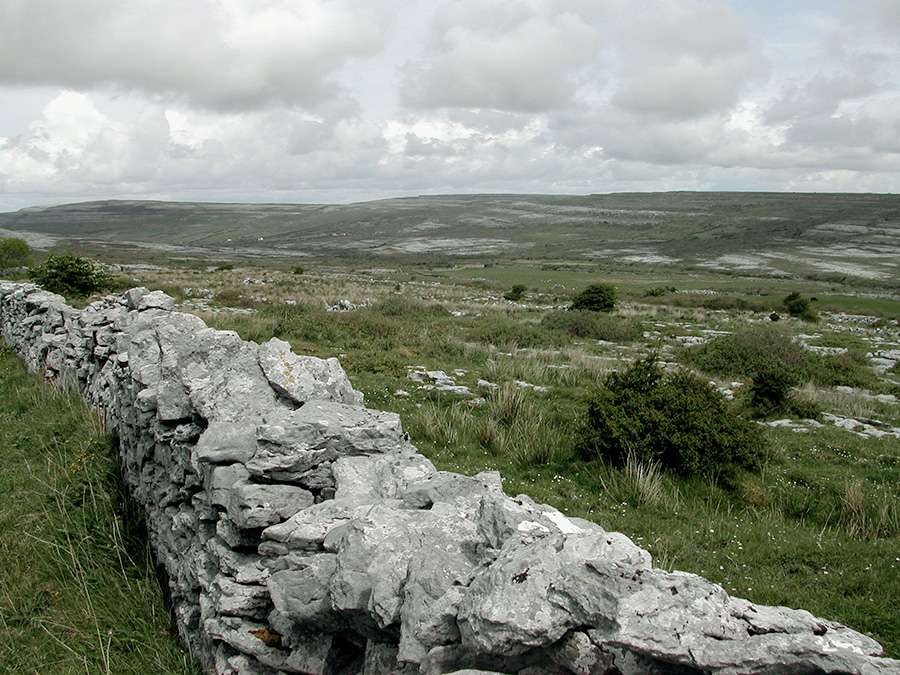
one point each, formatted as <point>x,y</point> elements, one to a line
<point>501,55</point>
<point>685,59</point>
<point>886,13</point>
<point>239,54</point>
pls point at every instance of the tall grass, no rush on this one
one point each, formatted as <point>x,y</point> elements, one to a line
<point>78,591</point>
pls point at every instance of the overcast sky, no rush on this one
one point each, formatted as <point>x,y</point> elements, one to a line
<point>348,100</point>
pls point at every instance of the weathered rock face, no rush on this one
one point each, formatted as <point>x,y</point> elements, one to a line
<point>302,533</point>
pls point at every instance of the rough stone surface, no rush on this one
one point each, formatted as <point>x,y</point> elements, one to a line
<point>301,532</point>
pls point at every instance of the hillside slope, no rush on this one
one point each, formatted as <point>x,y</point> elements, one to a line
<point>855,235</point>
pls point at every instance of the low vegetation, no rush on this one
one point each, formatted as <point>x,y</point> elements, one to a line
<point>675,420</point>
<point>78,592</point>
<point>71,275</point>
<point>730,465</point>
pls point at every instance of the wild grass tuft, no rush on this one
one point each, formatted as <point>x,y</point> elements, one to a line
<point>78,592</point>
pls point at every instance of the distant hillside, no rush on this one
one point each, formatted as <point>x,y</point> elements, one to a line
<point>839,235</point>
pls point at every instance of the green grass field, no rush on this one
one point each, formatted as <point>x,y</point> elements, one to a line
<point>816,527</point>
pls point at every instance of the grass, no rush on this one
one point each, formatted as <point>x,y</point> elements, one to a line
<point>78,592</point>
<point>816,528</point>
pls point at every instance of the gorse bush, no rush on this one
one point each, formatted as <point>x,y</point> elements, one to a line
<point>71,275</point>
<point>761,352</point>
<point>747,352</point>
<point>596,298</point>
<point>593,326</point>
<point>399,306</point>
<point>799,307</point>
<point>515,293</point>
<point>678,420</point>
<point>14,252</point>
<point>502,331</point>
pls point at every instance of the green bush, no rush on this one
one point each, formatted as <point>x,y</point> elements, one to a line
<point>771,390</point>
<point>748,352</point>
<point>299,269</point>
<point>515,293</point>
<point>678,420</point>
<point>596,298</point>
<point>14,252</point>
<point>799,307</point>
<point>593,326</point>
<point>765,348</point>
<point>502,331</point>
<point>400,306</point>
<point>71,275</point>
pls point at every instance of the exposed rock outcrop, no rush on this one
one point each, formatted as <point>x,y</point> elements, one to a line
<point>301,532</point>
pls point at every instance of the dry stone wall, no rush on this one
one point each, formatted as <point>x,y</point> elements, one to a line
<point>301,532</point>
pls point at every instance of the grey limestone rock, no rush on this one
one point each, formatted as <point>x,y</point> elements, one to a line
<point>303,378</point>
<point>302,533</point>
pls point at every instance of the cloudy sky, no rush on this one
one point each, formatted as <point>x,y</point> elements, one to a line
<point>348,100</point>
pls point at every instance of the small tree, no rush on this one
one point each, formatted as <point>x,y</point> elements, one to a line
<point>596,298</point>
<point>798,306</point>
<point>515,293</point>
<point>71,275</point>
<point>679,420</point>
<point>14,252</point>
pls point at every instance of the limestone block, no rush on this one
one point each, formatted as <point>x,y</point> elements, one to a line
<point>259,641</point>
<point>295,441</point>
<point>302,378</point>
<point>368,479</point>
<point>255,506</point>
<point>233,599</point>
<point>301,594</point>
<point>224,442</point>
<point>444,485</point>
<point>307,529</point>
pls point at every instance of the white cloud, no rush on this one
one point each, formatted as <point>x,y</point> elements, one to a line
<point>218,53</point>
<point>685,58</point>
<point>341,100</point>
<point>502,55</point>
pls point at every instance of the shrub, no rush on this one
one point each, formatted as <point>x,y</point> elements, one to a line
<point>299,269</point>
<point>771,390</point>
<point>748,352</point>
<point>764,348</point>
<point>14,252</point>
<point>399,306</point>
<point>502,331</point>
<point>678,420</point>
<point>596,298</point>
<point>515,293</point>
<point>71,275</point>
<point>799,307</point>
<point>593,326</point>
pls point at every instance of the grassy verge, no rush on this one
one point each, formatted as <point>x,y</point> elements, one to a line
<point>78,593</point>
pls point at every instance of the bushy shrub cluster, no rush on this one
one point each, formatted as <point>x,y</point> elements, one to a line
<point>596,298</point>
<point>515,293</point>
<point>749,351</point>
<point>593,326</point>
<point>14,252</point>
<point>71,275</point>
<point>678,420</point>
<point>399,306</point>
<point>503,331</point>
<point>799,307</point>
<point>772,363</point>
